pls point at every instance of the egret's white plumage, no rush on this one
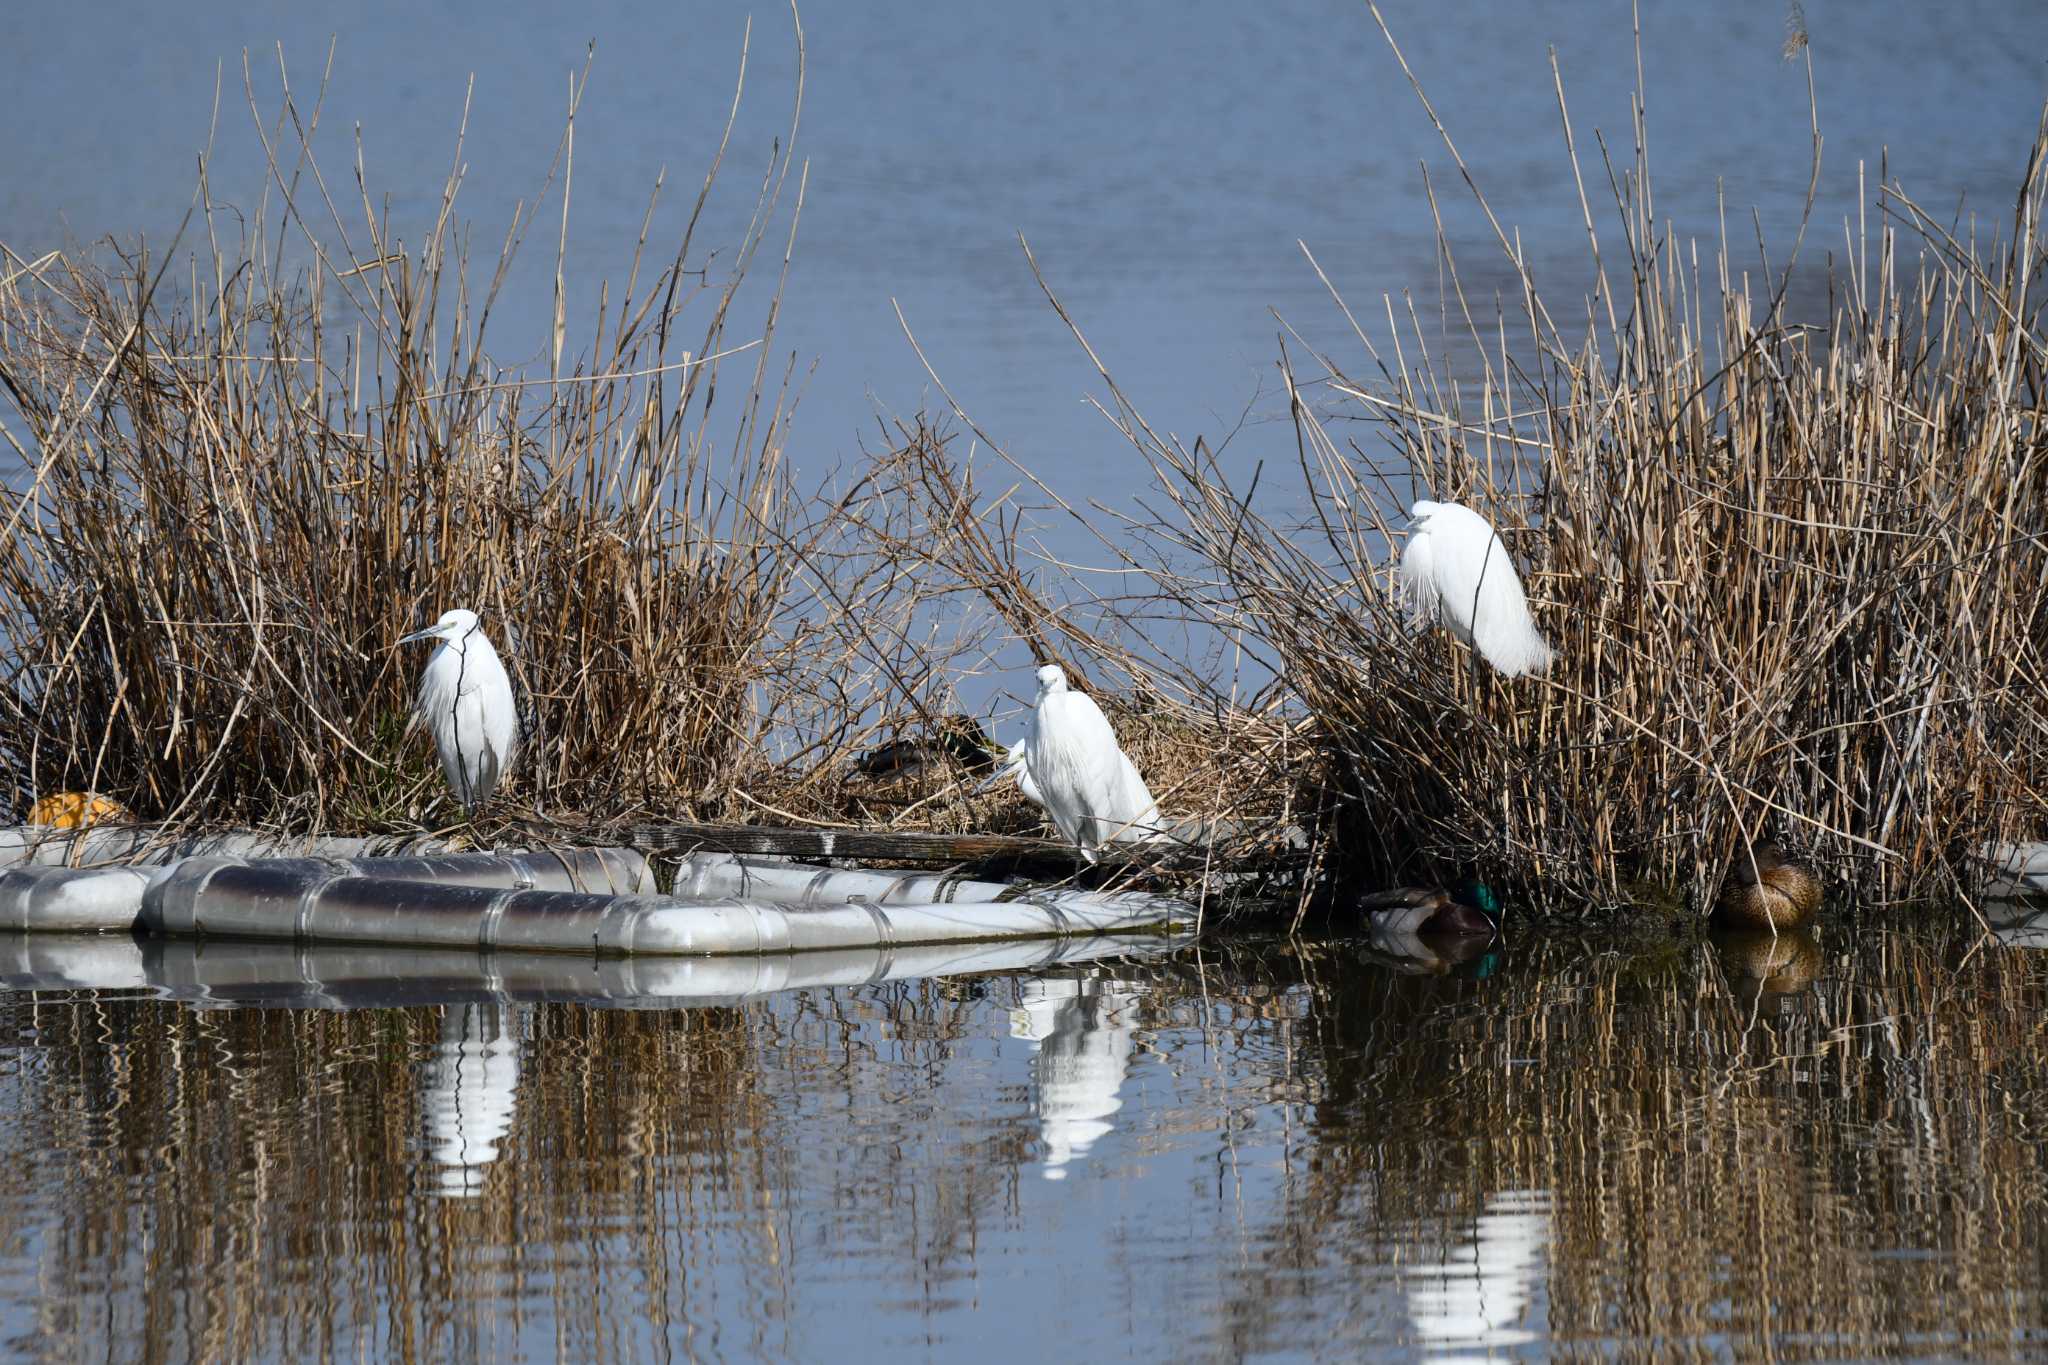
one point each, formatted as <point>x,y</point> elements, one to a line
<point>1013,766</point>
<point>1085,781</point>
<point>1456,572</point>
<point>466,704</point>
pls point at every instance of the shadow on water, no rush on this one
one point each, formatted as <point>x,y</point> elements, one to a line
<point>1817,1145</point>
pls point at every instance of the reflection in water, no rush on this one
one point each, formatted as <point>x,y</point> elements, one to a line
<point>469,1091</point>
<point>1769,968</point>
<point>1412,953</point>
<point>2019,923</point>
<point>1479,1297</point>
<point>1595,1149</point>
<point>1083,1032</point>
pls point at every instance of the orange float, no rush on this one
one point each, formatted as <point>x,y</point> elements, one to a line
<point>76,810</point>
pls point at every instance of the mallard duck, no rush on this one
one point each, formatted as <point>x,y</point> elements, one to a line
<point>1469,907</point>
<point>1768,888</point>
<point>956,740</point>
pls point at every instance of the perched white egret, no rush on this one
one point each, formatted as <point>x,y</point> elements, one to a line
<point>1085,781</point>
<point>1013,766</point>
<point>466,703</point>
<point>1456,571</point>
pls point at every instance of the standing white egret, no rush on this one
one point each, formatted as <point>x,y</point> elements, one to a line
<point>1456,571</point>
<point>1085,781</point>
<point>466,703</point>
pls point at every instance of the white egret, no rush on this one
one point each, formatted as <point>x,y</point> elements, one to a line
<point>1456,571</point>
<point>1085,781</point>
<point>1013,766</point>
<point>466,703</point>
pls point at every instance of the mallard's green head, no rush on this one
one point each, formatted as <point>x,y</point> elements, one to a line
<point>1478,895</point>
<point>964,739</point>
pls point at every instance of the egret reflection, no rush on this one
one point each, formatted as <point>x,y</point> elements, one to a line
<point>469,1093</point>
<point>1478,1298</point>
<point>1083,1031</point>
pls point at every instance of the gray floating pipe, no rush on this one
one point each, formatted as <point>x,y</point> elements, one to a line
<point>342,976</point>
<point>713,876</point>
<point>2016,869</point>
<point>109,899</point>
<point>71,899</point>
<point>614,871</point>
<point>309,902</point>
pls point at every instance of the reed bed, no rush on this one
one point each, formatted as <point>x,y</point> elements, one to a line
<point>253,460</point>
<point>1792,566</point>
<point>1791,561</point>
<point>248,477</point>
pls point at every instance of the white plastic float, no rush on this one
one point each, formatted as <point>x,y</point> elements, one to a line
<point>714,876</point>
<point>342,976</point>
<point>309,902</point>
<point>109,899</point>
<point>2016,869</point>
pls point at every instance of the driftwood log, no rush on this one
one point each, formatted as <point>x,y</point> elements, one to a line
<point>1190,846</point>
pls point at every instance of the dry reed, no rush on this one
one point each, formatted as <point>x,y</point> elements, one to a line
<point>1793,572</point>
<point>247,482</point>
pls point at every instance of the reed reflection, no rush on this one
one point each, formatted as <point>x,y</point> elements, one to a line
<point>1594,1148</point>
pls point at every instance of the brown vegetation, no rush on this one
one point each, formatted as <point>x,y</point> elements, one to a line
<point>1793,572</point>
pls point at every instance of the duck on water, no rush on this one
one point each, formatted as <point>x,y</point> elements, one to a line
<point>1768,888</point>
<point>1468,908</point>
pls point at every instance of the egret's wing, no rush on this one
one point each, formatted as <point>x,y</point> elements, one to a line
<point>465,701</point>
<point>498,715</point>
<point>1012,766</point>
<point>1073,758</point>
<point>1135,814</point>
<point>1456,570</point>
<point>490,766</point>
<point>1502,628</point>
<point>1418,578</point>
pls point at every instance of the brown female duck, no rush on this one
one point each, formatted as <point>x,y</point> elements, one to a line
<point>1767,888</point>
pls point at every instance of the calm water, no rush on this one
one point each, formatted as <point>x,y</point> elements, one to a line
<point>1244,1148</point>
<point>1163,160</point>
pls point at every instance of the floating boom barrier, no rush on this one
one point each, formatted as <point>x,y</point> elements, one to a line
<point>589,901</point>
<point>2016,869</point>
<point>46,898</point>
<point>309,902</point>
